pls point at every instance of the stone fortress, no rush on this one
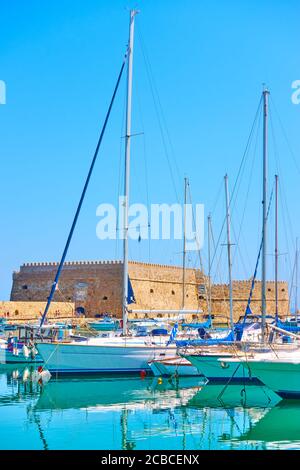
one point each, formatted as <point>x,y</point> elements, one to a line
<point>95,287</point>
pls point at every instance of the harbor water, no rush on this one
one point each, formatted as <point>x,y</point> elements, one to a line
<point>131,413</point>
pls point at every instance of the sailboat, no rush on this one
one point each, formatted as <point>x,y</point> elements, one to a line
<point>278,366</point>
<point>212,360</point>
<point>117,354</point>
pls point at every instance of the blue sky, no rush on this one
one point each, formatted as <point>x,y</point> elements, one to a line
<point>60,61</point>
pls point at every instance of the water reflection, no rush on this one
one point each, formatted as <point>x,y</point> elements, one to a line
<point>15,386</point>
<point>130,413</point>
<point>100,394</point>
<point>279,428</point>
<point>246,396</point>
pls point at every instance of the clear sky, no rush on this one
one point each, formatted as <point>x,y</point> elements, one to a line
<point>60,61</point>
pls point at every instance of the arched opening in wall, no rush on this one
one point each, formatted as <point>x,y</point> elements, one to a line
<point>80,311</point>
<point>173,292</point>
<point>104,298</point>
<point>151,291</point>
<point>282,290</point>
<point>16,312</point>
<point>25,287</point>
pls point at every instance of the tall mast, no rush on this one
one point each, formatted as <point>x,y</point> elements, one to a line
<point>186,182</point>
<point>127,170</point>
<point>209,264</point>
<point>276,247</point>
<point>296,284</point>
<point>229,251</point>
<point>264,202</point>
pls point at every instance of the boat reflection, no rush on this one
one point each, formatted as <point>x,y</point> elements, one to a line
<point>16,386</point>
<point>131,413</point>
<point>99,393</point>
<point>279,428</point>
<point>235,395</point>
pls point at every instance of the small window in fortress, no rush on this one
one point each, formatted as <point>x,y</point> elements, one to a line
<point>173,292</point>
<point>187,295</point>
<point>16,312</point>
<point>200,297</point>
<point>104,298</point>
<point>25,287</point>
<point>282,290</point>
<point>269,289</point>
<point>151,291</point>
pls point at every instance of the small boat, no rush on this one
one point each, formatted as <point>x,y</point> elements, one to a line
<point>174,367</point>
<point>18,347</point>
<point>15,352</point>
<point>4,326</point>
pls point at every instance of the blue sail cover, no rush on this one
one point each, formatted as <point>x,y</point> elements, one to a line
<point>130,298</point>
<point>291,326</point>
<point>205,342</point>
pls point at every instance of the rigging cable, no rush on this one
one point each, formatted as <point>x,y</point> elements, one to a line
<point>284,205</point>
<point>239,172</point>
<point>60,266</point>
<point>240,232</point>
<point>159,112</point>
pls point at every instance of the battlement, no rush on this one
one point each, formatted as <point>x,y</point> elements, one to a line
<point>70,263</point>
<point>102,262</point>
<point>242,283</point>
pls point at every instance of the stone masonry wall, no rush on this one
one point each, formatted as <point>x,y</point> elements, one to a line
<point>241,290</point>
<point>33,310</point>
<point>96,287</point>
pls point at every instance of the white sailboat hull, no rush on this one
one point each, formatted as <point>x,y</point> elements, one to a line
<point>216,369</point>
<point>283,377</point>
<point>73,358</point>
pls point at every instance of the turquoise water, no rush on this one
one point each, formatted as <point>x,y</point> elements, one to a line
<point>131,413</point>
